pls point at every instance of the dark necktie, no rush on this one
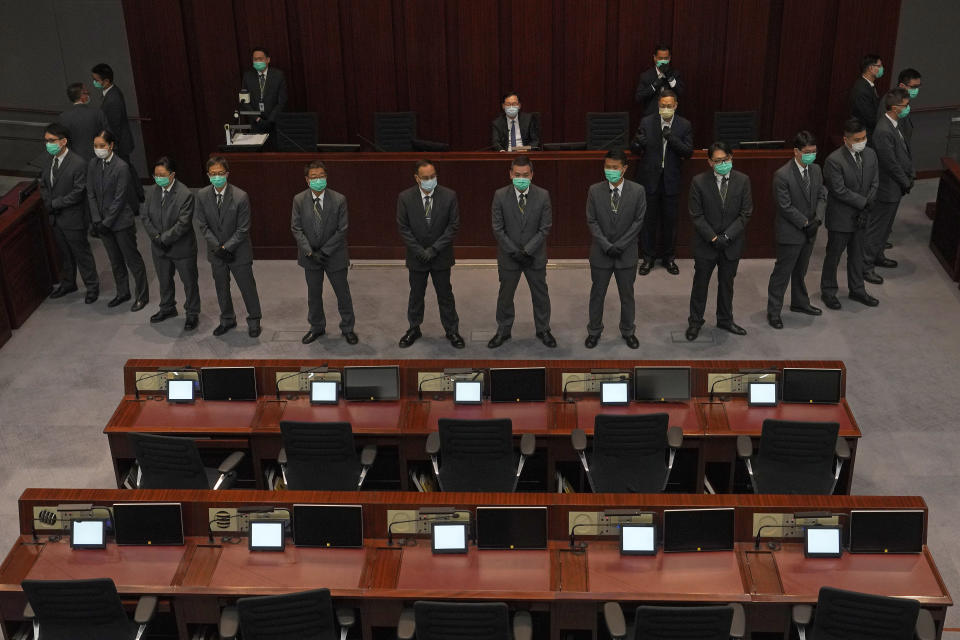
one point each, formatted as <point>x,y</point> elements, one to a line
<point>859,158</point>
<point>56,168</point>
<point>220,203</point>
<point>805,179</point>
<point>723,190</point>
<point>263,81</point>
<point>428,208</point>
<point>615,199</point>
<point>318,213</point>
<point>513,134</point>
<point>523,202</point>
<point>163,197</point>
<point>103,171</point>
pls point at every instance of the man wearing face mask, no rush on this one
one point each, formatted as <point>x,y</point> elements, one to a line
<point>319,223</point>
<point>659,78</point>
<point>664,140</point>
<point>800,199</point>
<point>910,81</point>
<point>512,129</point>
<point>114,108</point>
<point>852,180</point>
<point>720,204</point>
<point>83,121</point>
<point>864,99</point>
<point>615,210</point>
<point>268,90</point>
<point>522,218</point>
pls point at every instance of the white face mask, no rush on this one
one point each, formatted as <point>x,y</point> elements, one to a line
<point>858,147</point>
<point>103,154</point>
<point>512,111</point>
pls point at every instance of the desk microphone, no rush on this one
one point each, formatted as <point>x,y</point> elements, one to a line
<point>573,531</point>
<point>437,513</point>
<point>590,378</point>
<point>425,380</point>
<point>743,372</point>
<point>321,369</point>
<point>163,372</point>
<point>373,144</point>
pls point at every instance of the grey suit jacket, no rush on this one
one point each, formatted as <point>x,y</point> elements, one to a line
<point>65,198</point>
<point>84,123</point>
<point>896,165</point>
<point>620,229</point>
<point>110,192</point>
<point>330,237</point>
<point>114,108</point>
<point>173,222</point>
<point>229,226</point>
<point>847,192</point>
<point>711,216</point>
<point>795,205</point>
<point>514,231</point>
<point>416,235</point>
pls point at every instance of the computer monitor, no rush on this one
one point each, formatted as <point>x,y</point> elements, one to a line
<point>511,527</point>
<point>762,394</point>
<point>266,535</point>
<point>323,392</point>
<point>661,384</point>
<point>371,383</point>
<point>518,385</point>
<point>90,533</point>
<point>449,537</point>
<point>228,383</point>
<point>467,392</point>
<point>811,386</point>
<point>615,393</point>
<point>821,542</point>
<point>180,391</point>
<point>895,531</point>
<point>698,530</point>
<point>327,525</point>
<point>148,523</point>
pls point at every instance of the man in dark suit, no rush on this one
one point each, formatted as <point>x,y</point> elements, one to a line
<point>114,108</point>
<point>615,210</point>
<point>268,90</point>
<point>852,179</point>
<point>720,205</point>
<point>522,218</point>
<point>428,218</point>
<point>168,222</point>
<point>63,186</point>
<point>83,121</point>
<point>863,95</point>
<point>319,223</point>
<point>664,140</point>
<point>800,199</point>
<point>512,129</point>
<point>223,214</point>
<point>657,79</point>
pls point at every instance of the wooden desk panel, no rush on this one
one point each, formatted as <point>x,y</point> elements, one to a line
<point>945,231</point>
<point>135,570</point>
<point>682,414</point>
<point>364,417</point>
<point>202,415</point>
<point>743,419</point>
<point>527,417</point>
<point>26,259</point>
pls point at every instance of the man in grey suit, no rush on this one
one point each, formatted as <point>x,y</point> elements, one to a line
<point>223,214</point>
<point>522,219</point>
<point>114,108</point>
<point>83,121</point>
<point>268,90</point>
<point>168,221</point>
<point>319,223</point>
<point>720,204</point>
<point>63,186</point>
<point>428,218</point>
<point>852,180</point>
<point>800,199</point>
<point>615,211</point>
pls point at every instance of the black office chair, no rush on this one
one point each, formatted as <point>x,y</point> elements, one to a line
<point>477,455</point>
<point>395,131</point>
<point>716,622</point>
<point>71,609</point>
<point>849,615</point>
<point>734,127</point>
<point>631,454</point>
<point>795,457</point>
<point>167,462</point>
<point>321,456</point>
<point>608,130</point>
<point>463,621</point>
<point>306,615</point>
<point>297,131</point>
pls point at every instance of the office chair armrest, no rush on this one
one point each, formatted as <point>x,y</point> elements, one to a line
<point>231,462</point>
<point>146,608</point>
<point>843,449</point>
<point>522,626</point>
<point>282,456</point>
<point>407,625</point>
<point>433,443</point>
<point>28,613</point>
<point>926,629</point>
<point>346,617</point>
<point>675,437</point>
<point>579,439</point>
<point>229,624</point>
<point>613,618</point>
<point>738,626</point>
<point>744,447</point>
<point>368,454</point>
<point>528,442</point>
<point>802,614</point>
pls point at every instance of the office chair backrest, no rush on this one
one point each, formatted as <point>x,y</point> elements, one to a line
<point>320,456</point>
<point>734,127</point>
<point>629,452</point>
<point>806,446</point>
<point>297,131</point>
<point>306,615</point>
<point>395,131</point>
<point>476,455</point>
<point>168,462</point>
<point>683,623</point>
<point>848,615</point>
<point>461,621</point>
<point>69,609</point>
<point>608,130</point>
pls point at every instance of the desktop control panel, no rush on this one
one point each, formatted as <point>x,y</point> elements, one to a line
<point>603,523</point>
<point>736,383</point>
<point>418,522</point>
<point>786,525</point>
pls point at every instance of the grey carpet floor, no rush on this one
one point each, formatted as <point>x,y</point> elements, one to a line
<point>60,375</point>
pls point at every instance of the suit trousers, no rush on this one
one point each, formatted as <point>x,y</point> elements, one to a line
<point>879,222</point>
<point>702,271</point>
<point>537,281</point>
<point>837,241</point>
<point>121,247</point>
<point>243,273</point>
<point>445,300</point>
<point>75,253</point>
<point>791,266</point>
<point>338,280</point>
<point>600,281</point>
<point>660,224</point>
<point>186,268</point>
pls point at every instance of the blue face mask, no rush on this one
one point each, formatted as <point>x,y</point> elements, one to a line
<point>162,181</point>
<point>511,111</point>
<point>521,184</point>
<point>259,66</point>
<point>905,112</point>
<point>318,184</point>
<point>218,181</point>
<point>723,168</point>
<point>913,92</point>
<point>808,158</point>
<point>53,148</point>
<point>428,185</point>
<point>613,175</point>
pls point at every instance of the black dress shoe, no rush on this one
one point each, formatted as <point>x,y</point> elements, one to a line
<point>887,263</point>
<point>311,335</point>
<point>191,323</point>
<point>732,327</point>
<point>410,337</point>
<point>547,339</point>
<point>456,340</point>
<point>62,291</point>
<point>162,315</point>
<point>810,310</point>
<point>91,297</point>
<point>693,331</point>
<point>872,277</point>
<point>118,300</point>
<point>351,337</point>
<point>775,321</point>
<point>831,302</point>
<point>591,342</point>
<point>254,332</point>
<point>644,267</point>
<point>632,341</point>
<point>497,340</point>
<point>223,328</point>
<point>671,267</point>
<point>888,245</point>
<point>138,305</point>
<point>865,298</point>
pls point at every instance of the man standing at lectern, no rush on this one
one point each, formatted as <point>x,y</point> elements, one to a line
<point>268,90</point>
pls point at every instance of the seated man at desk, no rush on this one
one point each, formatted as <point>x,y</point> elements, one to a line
<point>512,129</point>
<point>268,90</point>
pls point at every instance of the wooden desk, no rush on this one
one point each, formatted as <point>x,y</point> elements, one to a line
<point>26,260</point>
<point>945,232</point>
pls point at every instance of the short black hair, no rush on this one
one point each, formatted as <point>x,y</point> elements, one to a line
<point>314,164</point>
<point>74,91</point>
<point>617,154</point>
<point>107,136</point>
<point>57,129</point>
<point>894,97</point>
<point>103,70</point>
<point>255,49</point>
<point>667,93</point>
<point>804,139</point>
<point>218,160</point>
<point>521,161</point>
<point>166,162</point>
<point>907,75</point>
<point>868,61</point>
<point>422,163</point>
<point>853,125</point>
<point>661,46</point>
<point>508,94</point>
<point>719,145</point>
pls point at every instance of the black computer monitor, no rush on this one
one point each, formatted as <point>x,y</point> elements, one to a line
<point>148,523</point>
<point>228,383</point>
<point>371,383</point>
<point>328,525</point>
<point>512,527</point>
<point>518,385</point>
<point>894,531</point>
<point>816,386</point>
<point>661,384</point>
<point>698,530</point>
